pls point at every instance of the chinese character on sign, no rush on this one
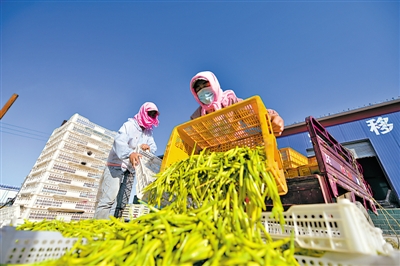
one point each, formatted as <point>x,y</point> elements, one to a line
<point>327,159</point>
<point>380,125</point>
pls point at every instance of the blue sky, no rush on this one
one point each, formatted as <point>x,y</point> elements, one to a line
<point>104,59</point>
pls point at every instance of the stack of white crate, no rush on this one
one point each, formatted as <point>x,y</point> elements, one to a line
<point>133,211</point>
<point>339,231</point>
<point>64,180</point>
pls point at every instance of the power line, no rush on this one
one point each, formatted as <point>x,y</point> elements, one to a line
<point>22,135</point>
<point>22,131</point>
<point>26,132</point>
<point>24,128</point>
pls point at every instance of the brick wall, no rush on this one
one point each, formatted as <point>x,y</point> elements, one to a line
<point>387,219</point>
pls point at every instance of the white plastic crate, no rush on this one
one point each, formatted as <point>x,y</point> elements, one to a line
<point>133,211</point>
<point>339,227</point>
<point>43,202</point>
<point>10,215</point>
<point>23,247</point>
<point>346,259</point>
<point>35,215</point>
<point>72,180</point>
<point>55,190</point>
<point>83,150</point>
<point>78,139</point>
<point>148,167</point>
<point>77,169</point>
<point>23,199</point>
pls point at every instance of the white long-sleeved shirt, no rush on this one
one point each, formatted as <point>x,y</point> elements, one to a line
<point>129,137</point>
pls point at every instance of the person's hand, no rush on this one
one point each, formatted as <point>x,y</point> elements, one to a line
<point>134,158</point>
<point>277,123</point>
<point>145,147</point>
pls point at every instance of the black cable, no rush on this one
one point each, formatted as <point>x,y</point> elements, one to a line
<point>27,131</point>
<point>24,128</point>
<point>8,202</point>
<point>22,136</point>
<point>2,127</point>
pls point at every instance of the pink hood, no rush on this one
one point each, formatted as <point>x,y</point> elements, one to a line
<point>221,98</point>
<point>143,119</point>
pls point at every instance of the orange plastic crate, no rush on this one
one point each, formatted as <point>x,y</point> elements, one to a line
<point>312,160</point>
<point>292,158</point>
<point>245,123</point>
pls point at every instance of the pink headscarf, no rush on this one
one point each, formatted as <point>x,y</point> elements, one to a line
<point>221,98</point>
<point>143,119</point>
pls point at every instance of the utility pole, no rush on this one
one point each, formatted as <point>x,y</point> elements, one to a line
<point>8,105</point>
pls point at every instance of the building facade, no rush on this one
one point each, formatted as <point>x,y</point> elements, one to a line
<point>7,194</point>
<point>64,181</point>
<point>372,133</point>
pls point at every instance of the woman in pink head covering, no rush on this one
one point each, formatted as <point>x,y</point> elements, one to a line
<point>147,116</point>
<point>208,93</point>
<point>134,135</point>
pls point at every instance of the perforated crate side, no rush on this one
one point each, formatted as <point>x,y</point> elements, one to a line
<point>346,259</point>
<point>39,215</point>
<point>292,158</point>
<point>9,215</point>
<point>291,172</point>
<point>96,132</point>
<point>304,170</point>
<point>133,211</point>
<point>56,190</point>
<point>23,247</point>
<point>339,227</point>
<point>43,202</point>
<point>31,188</point>
<point>73,180</point>
<point>24,199</point>
<point>61,168</point>
<point>145,171</point>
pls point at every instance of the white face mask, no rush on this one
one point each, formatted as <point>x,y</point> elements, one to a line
<point>206,95</point>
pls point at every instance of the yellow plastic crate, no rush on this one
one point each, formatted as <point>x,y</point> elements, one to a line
<point>291,172</point>
<point>304,170</point>
<point>245,123</point>
<point>308,169</point>
<point>314,169</point>
<point>292,158</point>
